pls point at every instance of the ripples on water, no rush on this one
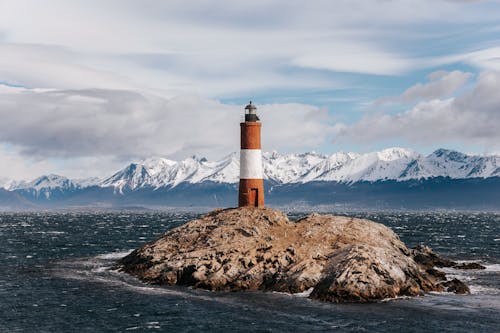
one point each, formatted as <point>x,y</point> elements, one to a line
<point>55,277</point>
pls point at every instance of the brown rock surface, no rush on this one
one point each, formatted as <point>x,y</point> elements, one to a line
<point>341,258</point>
<point>469,265</point>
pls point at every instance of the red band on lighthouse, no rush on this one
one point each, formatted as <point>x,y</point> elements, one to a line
<point>251,191</point>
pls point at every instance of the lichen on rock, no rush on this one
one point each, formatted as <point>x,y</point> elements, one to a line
<point>343,259</point>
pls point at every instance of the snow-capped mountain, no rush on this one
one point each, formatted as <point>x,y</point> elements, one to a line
<point>390,164</point>
<point>7,183</point>
<point>391,178</point>
<point>349,167</point>
<point>289,168</point>
<point>453,164</point>
<point>47,185</point>
<point>161,172</point>
<point>50,181</point>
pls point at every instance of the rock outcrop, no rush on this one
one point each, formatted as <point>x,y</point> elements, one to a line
<point>341,259</point>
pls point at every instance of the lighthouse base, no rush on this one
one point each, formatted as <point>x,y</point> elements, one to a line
<point>251,193</point>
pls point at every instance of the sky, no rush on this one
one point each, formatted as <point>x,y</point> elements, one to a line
<point>89,86</point>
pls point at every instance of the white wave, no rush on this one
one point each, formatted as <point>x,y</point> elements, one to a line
<point>101,269</point>
<point>467,261</point>
<point>54,232</point>
<point>472,277</point>
<point>305,293</point>
<point>114,255</point>
<point>101,273</point>
<point>389,299</point>
<point>492,268</point>
<point>441,293</point>
<point>133,328</point>
<point>477,289</point>
<point>460,274</point>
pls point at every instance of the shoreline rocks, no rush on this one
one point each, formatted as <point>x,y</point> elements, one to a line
<point>343,259</point>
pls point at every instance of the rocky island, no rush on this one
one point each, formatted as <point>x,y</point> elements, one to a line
<point>334,258</point>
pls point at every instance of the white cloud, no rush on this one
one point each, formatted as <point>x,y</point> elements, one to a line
<point>214,48</point>
<point>472,118</point>
<point>54,67</point>
<point>488,58</point>
<point>17,167</point>
<point>349,57</point>
<point>123,26</point>
<point>126,124</point>
<point>441,84</point>
<point>112,80</point>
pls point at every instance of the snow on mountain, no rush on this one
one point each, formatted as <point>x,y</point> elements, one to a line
<point>289,168</point>
<point>160,172</point>
<point>327,169</point>
<point>87,182</point>
<point>140,174</point>
<point>351,167</point>
<point>7,183</point>
<point>45,185</point>
<point>453,164</point>
<point>194,170</point>
<point>47,181</point>
<point>226,170</point>
<point>390,164</point>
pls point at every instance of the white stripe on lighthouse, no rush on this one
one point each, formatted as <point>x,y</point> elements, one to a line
<point>251,164</point>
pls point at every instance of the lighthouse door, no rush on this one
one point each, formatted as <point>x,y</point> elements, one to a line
<point>254,197</point>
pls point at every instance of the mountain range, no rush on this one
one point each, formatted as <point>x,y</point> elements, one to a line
<point>308,178</point>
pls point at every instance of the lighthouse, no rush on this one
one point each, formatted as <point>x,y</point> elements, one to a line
<point>251,191</point>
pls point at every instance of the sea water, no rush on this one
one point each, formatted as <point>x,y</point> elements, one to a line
<point>56,276</point>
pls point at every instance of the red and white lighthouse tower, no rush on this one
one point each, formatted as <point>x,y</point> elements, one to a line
<point>251,192</point>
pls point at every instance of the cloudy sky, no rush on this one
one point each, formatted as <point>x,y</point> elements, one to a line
<point>87,86</point>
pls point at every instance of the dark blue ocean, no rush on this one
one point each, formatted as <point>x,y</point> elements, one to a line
<point>55,277</point>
